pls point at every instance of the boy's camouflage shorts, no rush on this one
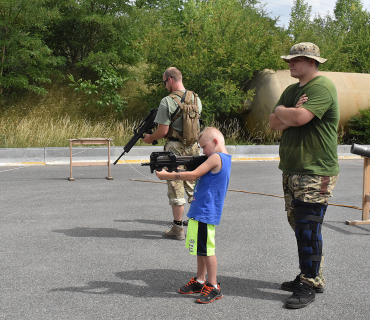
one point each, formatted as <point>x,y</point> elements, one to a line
<point>312,189</point>
<point>177,188</point>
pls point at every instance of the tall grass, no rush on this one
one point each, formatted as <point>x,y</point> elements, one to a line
<point>36,130</point>
<point>235,133</point>
<point>32,132</point>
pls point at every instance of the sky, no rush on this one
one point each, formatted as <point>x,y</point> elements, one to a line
<point>283,8</point>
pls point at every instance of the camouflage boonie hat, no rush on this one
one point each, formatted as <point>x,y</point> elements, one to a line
<point>304,49</point>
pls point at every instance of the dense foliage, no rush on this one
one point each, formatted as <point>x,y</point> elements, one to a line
<point>26,62</point>
<point>360,127</point>
<point>217,44</point>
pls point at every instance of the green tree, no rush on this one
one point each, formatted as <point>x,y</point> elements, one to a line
<point>353,24</point>
<point>217,45</point>
<point>98,39</point>
<point>99,33</point>
<point>326,35</point>
<point>25,61</point>
<point>346,13</point>
<point>300,24</point>
<point>103,92</point>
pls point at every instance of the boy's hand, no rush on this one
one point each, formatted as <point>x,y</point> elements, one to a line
<point>161,174</point>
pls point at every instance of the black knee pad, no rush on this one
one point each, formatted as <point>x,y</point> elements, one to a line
<point>308,221</point>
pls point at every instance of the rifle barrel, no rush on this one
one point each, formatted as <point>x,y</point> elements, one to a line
<point>145,126</point>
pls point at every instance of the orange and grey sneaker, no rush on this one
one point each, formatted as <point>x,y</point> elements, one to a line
<point>209,294</point>
<point>193,286</point>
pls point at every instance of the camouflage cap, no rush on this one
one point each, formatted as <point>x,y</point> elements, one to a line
<point>305,49</point>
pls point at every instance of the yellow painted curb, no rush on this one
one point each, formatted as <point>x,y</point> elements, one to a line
<point>256,159</point>
<point>349,157</point>
<point>133,161</point>
<point>12,164</point>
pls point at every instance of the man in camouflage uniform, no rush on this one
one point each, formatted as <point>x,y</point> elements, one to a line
<point>172,79</point>
<point>308,114</point>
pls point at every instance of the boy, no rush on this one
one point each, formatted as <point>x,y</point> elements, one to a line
<point>205,212</point>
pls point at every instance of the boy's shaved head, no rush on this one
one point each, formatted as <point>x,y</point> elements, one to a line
<point>210,133</point>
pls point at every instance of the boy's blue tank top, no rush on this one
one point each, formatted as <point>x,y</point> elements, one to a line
<point>210,192</point>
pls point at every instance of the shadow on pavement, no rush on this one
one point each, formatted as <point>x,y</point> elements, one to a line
<point>162,283</point>
<point>110,233</point>
<point>145,221</point>
<point>334,226</point>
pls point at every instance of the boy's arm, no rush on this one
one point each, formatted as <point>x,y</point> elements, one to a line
<point>213,161</point>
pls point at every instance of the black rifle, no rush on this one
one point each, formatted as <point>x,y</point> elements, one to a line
<point>159,160</point>
<point>360,150</point>
<point>145,126</point>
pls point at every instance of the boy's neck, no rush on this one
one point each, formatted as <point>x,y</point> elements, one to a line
<point>221,149</point>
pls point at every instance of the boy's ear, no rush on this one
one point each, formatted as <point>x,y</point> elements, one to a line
<point>215,141</point>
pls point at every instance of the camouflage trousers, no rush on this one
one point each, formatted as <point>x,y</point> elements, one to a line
<point>177,188</point>
<point>311,189</point>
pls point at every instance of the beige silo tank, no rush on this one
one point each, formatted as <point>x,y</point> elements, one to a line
<point>353,94</point>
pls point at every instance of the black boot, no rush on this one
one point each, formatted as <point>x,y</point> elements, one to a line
<point>303,295</point>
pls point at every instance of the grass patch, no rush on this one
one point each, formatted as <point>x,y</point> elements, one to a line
<point>236,134</point>
<point>36,132</point>
<point>40,129</point>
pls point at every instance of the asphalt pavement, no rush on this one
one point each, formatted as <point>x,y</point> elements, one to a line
<point>94,248</point>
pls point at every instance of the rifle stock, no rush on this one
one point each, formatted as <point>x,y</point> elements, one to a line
<point>159,160</point>
<point>145,126</point>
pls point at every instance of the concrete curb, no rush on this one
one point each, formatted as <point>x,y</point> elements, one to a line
<point>61,156</point>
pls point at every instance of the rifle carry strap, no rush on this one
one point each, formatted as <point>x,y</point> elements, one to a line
<point>174,95</point>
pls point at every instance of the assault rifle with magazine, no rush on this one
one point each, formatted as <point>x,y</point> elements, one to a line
<point>159,160</point>
<point>145,126</point>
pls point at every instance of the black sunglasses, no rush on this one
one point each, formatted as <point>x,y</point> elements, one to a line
<point>164,82</point>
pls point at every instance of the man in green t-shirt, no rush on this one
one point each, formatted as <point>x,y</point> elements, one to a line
<point>308,114</point>
<point>172,79</point>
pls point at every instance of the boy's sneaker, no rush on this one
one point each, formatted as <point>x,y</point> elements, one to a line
<point>302,296</point>
<point>209,294</point>
<point>291,285</point>
<point>176,232</point>
<point>193,286</point>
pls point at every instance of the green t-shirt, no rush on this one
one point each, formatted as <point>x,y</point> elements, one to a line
<point>166,109</point>
<point>311,149</point>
